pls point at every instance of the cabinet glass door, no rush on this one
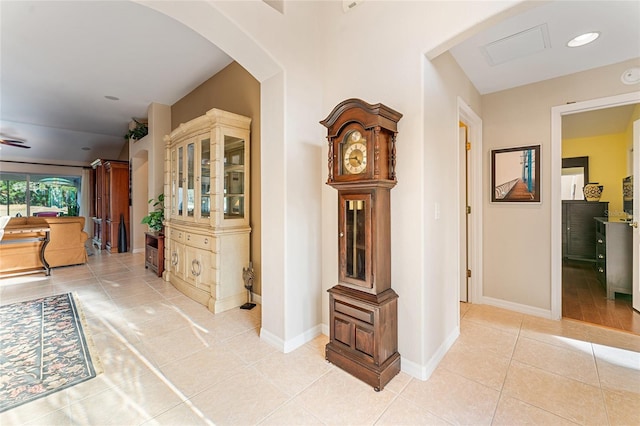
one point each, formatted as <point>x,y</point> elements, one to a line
<point>191,151</point>
<point>234,177</point>
<point>205,178</point>
<point>180,180</point>
<point>355,239</point>
<point>174,182</point>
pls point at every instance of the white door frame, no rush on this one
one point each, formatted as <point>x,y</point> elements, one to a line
<point>556,170</point>
<point>635,164</point>
<point>474,123</point>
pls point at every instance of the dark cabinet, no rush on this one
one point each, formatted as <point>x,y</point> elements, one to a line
<point>614,250</point>
<point>364,338</point>
<point>111,203</point>
<point>154,252</point>
<point>579,230</point>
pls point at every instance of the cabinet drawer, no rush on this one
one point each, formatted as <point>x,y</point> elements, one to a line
<point>198,241</point>
<point>177,235</point>
<point>601,272</point>
<point>354,312</point>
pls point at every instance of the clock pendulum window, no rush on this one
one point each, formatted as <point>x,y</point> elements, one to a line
<point>363,306</point>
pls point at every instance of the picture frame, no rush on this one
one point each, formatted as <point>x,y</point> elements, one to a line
<point>515,175</point>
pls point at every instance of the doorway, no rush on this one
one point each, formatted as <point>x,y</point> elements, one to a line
<point>469,143</point>
<point>580,271</point>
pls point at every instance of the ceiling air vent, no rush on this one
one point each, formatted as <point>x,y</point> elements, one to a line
<point>518,45</point>
<point>347,5</point>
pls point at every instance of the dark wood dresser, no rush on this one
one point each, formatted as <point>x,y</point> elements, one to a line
<point>579,228</point>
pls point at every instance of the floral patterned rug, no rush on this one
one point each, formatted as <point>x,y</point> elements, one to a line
<point>43,349</point>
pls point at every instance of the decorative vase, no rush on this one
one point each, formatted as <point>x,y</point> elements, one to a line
<point>122,236</point>
<point>592,191</point>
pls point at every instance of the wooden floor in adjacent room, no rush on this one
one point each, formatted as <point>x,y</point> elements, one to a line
<point>584,298</point>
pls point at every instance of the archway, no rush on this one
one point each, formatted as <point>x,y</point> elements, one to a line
<point>210,23</point>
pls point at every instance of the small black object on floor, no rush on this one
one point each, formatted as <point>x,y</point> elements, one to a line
<point>248,306</point>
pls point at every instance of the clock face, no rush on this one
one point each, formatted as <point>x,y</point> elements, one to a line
<point>354,156</point>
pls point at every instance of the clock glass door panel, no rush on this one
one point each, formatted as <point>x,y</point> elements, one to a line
<point>234,177</point>
<point>205,178</point>
<point>355,240</point>
<point>190,179</point>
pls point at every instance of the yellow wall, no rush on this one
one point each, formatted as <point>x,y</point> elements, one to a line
<point>629,136</point>
<point>607,164</point>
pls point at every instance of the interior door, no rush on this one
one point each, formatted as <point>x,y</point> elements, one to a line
<point>464,279</point>
<point>636,216</point>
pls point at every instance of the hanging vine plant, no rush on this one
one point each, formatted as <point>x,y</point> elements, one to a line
<point>140,131</point>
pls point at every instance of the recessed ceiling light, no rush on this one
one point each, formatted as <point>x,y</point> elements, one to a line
<point>583,39</point>
<point>112,98</point>
<point>631,76</point>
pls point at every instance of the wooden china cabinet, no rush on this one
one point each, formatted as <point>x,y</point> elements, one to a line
<point>207,227</point>
<point>363,306</point>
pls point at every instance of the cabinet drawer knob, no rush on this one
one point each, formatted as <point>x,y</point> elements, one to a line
<point>600,269</point>
<point>600,256</point>
<point>600,241</point>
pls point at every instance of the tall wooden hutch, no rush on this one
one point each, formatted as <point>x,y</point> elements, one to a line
<point>207,227</point>
<point>110,203</point>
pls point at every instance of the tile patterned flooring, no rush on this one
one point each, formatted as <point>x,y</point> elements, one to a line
<point>168,361</point>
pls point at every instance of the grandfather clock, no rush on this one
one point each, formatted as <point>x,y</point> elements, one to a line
<point>363,306</point>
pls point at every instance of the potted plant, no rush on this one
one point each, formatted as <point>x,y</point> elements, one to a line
<point>140,131</point>
<point>155,218</point>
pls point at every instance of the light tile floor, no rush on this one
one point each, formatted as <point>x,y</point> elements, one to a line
<point>167,360</point>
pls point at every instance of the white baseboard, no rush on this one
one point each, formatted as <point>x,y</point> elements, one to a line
<point>423,372</point>
<point>517,307</point>
<point>291,344</point>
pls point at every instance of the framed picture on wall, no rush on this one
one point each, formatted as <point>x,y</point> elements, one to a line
<point>515,175</point>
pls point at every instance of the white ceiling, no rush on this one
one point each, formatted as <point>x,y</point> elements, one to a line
<point>531,46</point>
<point>60,59</point>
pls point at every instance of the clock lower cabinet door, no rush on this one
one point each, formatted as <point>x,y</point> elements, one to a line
<point>364,334</point>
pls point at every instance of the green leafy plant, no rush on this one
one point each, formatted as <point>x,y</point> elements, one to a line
<point>140,131</point>
<point>154,218</point>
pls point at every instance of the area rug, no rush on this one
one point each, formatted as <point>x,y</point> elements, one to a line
<point>44,348</point>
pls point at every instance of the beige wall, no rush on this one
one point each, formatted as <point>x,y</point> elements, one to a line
<point>517,240</point>
<point>443,172</point>
<point>233,89</point>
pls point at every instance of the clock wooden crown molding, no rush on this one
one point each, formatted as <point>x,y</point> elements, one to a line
<point>376,125</point>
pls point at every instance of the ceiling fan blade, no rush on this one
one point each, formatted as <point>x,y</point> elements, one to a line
<point>14,142</point>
